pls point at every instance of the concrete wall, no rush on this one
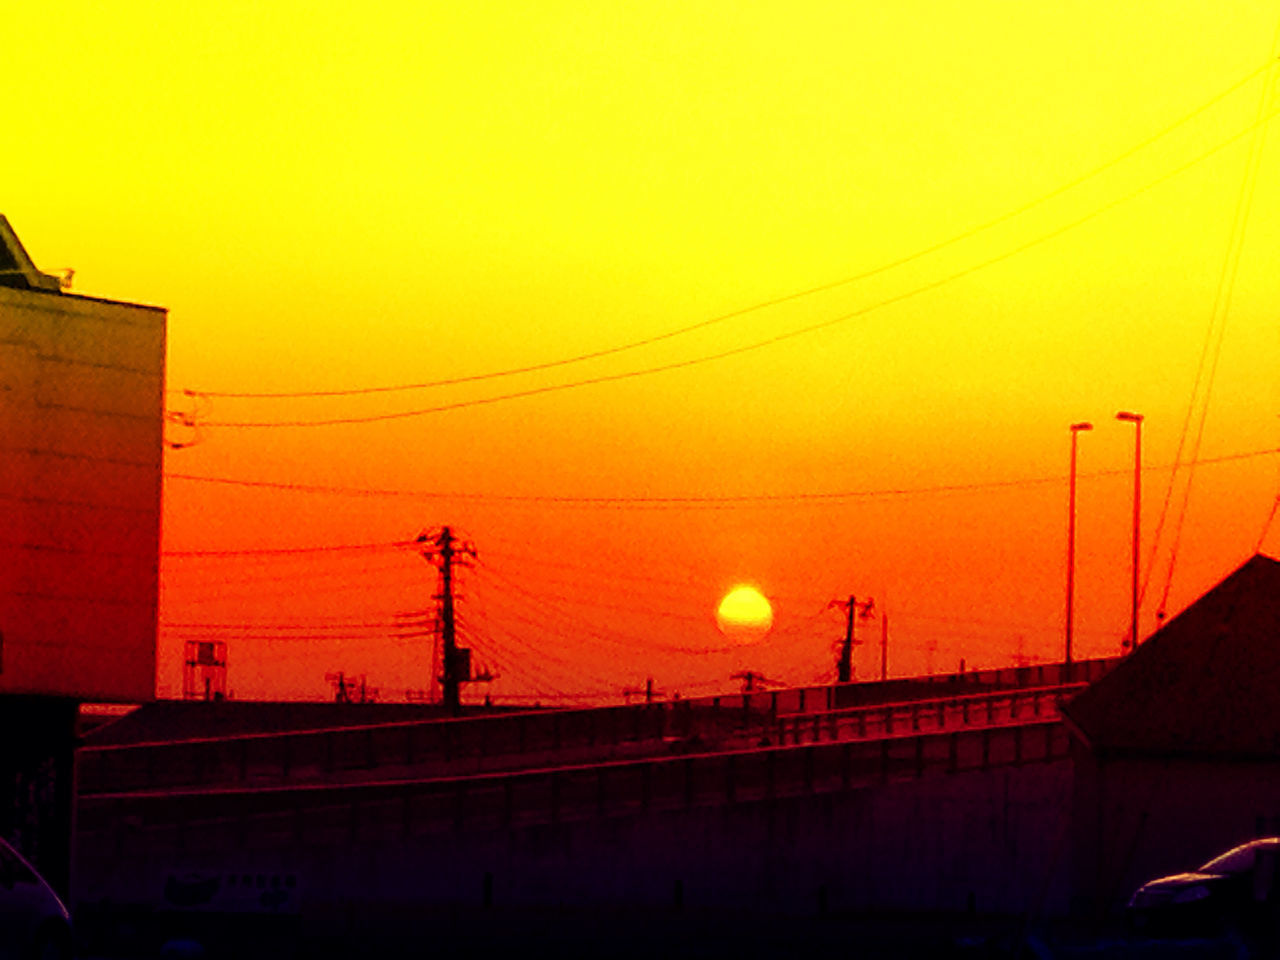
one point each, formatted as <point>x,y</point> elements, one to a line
<point>1136,818</point>
<point>81,422</point>
<point>992,839</point>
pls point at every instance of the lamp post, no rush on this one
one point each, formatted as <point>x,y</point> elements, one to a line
<point>1076,428</point>
<point>1136,420</point>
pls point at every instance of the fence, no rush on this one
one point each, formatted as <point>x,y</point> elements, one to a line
<point>492,742</point>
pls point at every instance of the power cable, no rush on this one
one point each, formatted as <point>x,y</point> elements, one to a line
<point>755,345</point>
<point>204,582</point>
<point>677,502</point>
<point>288,551</point>
<point>1266,527</point>
<point>1221,309</point>
<point>762,305</point>
<point>582,626</point>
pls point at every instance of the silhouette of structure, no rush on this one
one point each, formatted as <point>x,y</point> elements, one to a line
<point>853,610</point>
<point>81,426</point>
<point>204,670</point>
<point>770,801</point>
<point>1178,748</point>
<point>444,551</point>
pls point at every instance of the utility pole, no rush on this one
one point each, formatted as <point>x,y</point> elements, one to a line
<point>341,690</point>
<point>884,645</point>
<point>1076,429</point>
<point>650,694</point>
<point>443,550</point>
<point>1136,419</point>
<point>851,607</point>
<point>751,681</point>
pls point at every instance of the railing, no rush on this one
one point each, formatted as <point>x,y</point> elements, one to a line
<point>402,751</point>
<point>287,815</point>
<point>975,710</point>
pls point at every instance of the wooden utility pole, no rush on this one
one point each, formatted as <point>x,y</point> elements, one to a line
<point>884,645</point>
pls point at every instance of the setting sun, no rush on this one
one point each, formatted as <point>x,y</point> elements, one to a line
<point>744,614</point>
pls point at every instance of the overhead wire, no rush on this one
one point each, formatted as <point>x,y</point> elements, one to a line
<point>582,626</point>
<point>1223,297</point>
<point>167,574</point>
<point>760,344</point>
<point>548,662</point>
<point>1271,515</point>
<point>765,304</point>
<point>672,502</point>
<point>289,551</point>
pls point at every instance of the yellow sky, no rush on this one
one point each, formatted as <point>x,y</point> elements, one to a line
<point>330,196</point>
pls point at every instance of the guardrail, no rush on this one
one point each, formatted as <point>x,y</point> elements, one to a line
<point>403,750</point>
<point>284,816</point>
<point>975,710</point>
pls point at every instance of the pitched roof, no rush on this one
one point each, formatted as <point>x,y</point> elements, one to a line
<point>16,268</point>
<point>1207,683</point>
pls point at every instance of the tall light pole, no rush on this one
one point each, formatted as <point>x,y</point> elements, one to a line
<point>1076,428</point>
<point>1136,420</point>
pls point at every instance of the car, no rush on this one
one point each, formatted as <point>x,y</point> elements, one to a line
<point>1237,889</point>
<point>34,922</point>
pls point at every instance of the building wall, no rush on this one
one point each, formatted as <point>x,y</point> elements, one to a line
<point>81,449</point>
<point>1137,818</point>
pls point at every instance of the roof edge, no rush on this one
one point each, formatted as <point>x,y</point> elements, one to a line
<point>35,280</point>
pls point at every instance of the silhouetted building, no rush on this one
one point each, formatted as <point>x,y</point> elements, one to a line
<point>1177,751</point>
<point>81,430</point>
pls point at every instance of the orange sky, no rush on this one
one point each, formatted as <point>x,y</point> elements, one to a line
<point>337,196</point>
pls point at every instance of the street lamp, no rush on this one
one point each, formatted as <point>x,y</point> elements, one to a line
<point>1076,428</point>
<point>1136,420</point>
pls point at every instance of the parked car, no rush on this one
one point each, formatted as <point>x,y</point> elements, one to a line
<point>33,921</point>
<point>1236,889</point>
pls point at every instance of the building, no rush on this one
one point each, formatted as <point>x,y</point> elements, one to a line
<point>1177,750</point>
<point>81,435</point>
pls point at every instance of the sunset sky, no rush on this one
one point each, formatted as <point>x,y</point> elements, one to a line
<point>339,197</point>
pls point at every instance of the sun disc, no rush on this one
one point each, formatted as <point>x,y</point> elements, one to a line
<point>744,613</point>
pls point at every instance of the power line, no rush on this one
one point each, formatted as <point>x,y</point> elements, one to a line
<point>167,574</point>
<point>292,592</point>
<point>234,626</point>
<point>765,304</point>
<point>758,344</point>
<point>683,502</point>
<point>288,551</point>
<point>1218,315</point>
<point>631,642</point>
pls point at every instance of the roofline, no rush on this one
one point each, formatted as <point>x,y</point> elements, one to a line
<point>118,303</point>
<point>34,278</point>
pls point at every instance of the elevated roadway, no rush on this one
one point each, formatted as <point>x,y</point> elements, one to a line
<point>538,739</point>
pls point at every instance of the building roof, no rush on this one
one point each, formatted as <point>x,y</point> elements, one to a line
<point>1206,684</point>
<point>16,268</point>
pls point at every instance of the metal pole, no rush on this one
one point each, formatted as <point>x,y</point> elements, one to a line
<point>1137,530</point>
<point>884,645</point>
<point>1136,420</point>
<point>1071,541</point>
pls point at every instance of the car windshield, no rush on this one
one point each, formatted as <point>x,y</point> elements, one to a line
<point>1239,860</point>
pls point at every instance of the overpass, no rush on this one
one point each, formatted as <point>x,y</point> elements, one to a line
<point>495,742</point>
<point>774,802</point>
